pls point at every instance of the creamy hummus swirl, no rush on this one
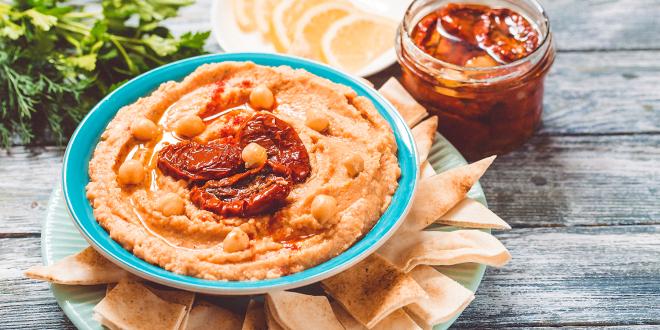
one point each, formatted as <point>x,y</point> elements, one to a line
<point>286,241</point>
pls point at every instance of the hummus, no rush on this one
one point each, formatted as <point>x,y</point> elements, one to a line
<point>243,172</point>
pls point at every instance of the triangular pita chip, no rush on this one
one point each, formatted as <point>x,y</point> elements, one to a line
<point>87,267</point>
<point>424,134</point>
<point>348,321</point>
<point>180,297</point>
<point>205,315</point>
<point>411,111</point>
<point>255,316</point>
<point>270,319</point>
<point>472,214</point>
<point>438,194</point>
<point>426,170</point>
<point>373,289</point>
<point>446,297</point>
<point>408,249</point>
<point>398,320</point>
<point>293,311</point>
<point>131,305</point>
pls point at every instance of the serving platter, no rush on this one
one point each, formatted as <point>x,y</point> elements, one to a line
<point>60,238</point>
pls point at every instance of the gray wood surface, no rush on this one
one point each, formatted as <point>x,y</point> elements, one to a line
<point>583,195</point>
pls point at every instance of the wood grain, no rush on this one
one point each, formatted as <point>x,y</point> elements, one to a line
<point>560,276</point>
<point>577,181</point>
<point>573,277</point>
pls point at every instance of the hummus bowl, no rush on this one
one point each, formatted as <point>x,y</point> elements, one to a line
<point>95,129</point>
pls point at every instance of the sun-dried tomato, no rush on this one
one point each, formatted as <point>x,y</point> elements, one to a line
<point>193,161</point>
<point>222,184</point>
<point>248,196</point>
<point>287,155</point>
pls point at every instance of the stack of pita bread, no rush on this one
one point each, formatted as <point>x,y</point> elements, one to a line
<point>395,288</point>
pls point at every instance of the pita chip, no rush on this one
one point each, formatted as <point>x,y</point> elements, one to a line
<point>438,248</point>
<point>87,267</point>
<point>411,111</point>
<point>293,311</point>
<point>131,305</point>
<point>255,317</point>
<point>446,297</point>
<point>348,321</point>
<point>426,170</point>
<point>373,289</point>
<point>205,315</point>
<point>270,319</point>
<point>399,320</point>
<point>472,214</point>
<point>438,194</point>
<point>424,134</point>
<point>180,297</point>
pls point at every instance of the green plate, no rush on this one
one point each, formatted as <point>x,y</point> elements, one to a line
<point>60,238</point>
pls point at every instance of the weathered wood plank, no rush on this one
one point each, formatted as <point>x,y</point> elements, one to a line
<point>26,303</point>
<point>569,181</point>
<point>572,276</point>
<point>28,177</point>
<point>551,181</point>
<point>558,276</point>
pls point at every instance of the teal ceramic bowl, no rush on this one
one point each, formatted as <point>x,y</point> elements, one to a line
<point>81,146</point>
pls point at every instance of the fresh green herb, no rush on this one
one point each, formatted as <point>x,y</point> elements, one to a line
<point>57,60</point>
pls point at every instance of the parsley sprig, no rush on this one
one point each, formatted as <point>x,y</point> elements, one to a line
<point>57,59</point>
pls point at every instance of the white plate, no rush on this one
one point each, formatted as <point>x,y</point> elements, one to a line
<point>230,38</point>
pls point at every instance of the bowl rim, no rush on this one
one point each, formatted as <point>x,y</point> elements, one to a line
<point>86,136</point>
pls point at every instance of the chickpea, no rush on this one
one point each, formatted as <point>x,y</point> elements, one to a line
<point>354,165</point>
<point>261,98</point>
<point>324,208</point>
<point>236,240</point>
<point>130,172</point>
<point>316,121</point>
<point>144,129</point>
<point>254,155</point>
<point>171,204</point>
<point>190,126</point>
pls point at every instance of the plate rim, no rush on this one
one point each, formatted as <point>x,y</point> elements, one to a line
<point>90,229</point>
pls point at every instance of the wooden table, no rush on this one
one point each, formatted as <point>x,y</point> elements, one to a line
<point>583,195</point>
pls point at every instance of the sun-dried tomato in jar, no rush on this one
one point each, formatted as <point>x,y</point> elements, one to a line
<point>479,67</point>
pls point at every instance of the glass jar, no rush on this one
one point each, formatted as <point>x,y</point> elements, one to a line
<point>481,110</point>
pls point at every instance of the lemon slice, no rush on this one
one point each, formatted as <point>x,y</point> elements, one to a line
<point>354,41</point>
<point>263,10</point>
<point>244,14</point>
<point>312,26</point>
<point>285,18</point>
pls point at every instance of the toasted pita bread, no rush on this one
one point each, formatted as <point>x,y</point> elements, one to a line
<point>399,320</point>
<point>87,267</point>
<point>408,249</point>
<point>446,297</point>
<point>472,214</point>
<point>293,311</point>
<point>373,289</point>
<point>131,305</point>
<point>348,321</point>
<point>270,319</point>
<point>411,111</point>
<point>424,134</point>
<point>426,170</point>
<point>180,297</point>
<point>205,315</point>
<point>438,194</point>
<point>255,318</point>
